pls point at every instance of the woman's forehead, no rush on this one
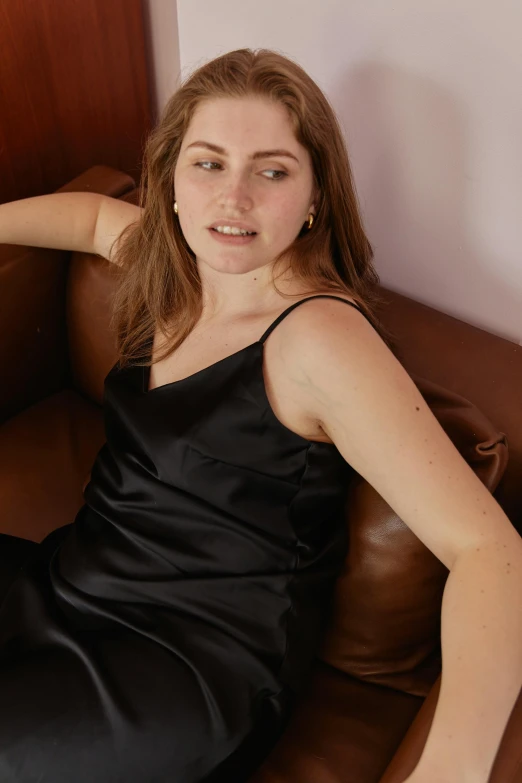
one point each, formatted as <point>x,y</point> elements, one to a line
<point>251,125</point>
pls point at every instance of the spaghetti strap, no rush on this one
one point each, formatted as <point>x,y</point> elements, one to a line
<point>296,304</point>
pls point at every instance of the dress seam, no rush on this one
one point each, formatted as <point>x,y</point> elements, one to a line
<point>247,469</point>
<point>297,560</point>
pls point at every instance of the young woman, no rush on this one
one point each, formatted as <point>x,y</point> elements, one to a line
<point>163,636</point>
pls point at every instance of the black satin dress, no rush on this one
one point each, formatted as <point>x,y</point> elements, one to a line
<point>163,636</point>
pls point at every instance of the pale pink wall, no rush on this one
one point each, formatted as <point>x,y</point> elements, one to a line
<point>161,24</point>
<point>429,95</point>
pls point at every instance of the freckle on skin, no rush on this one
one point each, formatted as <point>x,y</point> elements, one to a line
<point>417,409</point>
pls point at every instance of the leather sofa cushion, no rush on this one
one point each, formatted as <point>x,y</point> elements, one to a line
<point>45,454</point>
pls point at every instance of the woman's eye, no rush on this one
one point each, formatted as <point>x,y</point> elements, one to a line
<point>204,163</point>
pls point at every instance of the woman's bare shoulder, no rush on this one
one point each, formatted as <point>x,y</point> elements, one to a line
<point>329,293</point>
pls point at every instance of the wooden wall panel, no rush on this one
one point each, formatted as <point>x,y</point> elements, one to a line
<point>74,91</point>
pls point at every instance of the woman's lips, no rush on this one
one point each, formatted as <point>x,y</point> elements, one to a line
<point>230,239</point>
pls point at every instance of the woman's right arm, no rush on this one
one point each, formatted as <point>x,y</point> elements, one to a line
<point>88,222</point>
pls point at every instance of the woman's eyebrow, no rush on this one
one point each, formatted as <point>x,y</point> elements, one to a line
<point>254,156</point>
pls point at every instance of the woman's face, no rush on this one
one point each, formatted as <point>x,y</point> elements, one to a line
<point>270,194</point>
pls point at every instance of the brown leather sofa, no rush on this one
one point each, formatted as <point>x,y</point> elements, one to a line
<point>366,712</point>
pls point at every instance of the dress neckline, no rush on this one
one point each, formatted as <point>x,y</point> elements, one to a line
<point>145,376</point>
<point>258,343</point>
<point>146,370</point>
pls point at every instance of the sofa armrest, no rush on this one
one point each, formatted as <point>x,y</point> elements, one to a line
<point>33,334</point>
<point>508,763</point>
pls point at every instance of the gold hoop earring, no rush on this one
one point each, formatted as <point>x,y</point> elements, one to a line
<point>310,221</point>
<point>176,207</point>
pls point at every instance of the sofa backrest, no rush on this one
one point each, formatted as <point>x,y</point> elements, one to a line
<point>385,616</point>
<point>481,367</point>
<point>460,358</point>
<point>384,625</point>
<point>33,321</point>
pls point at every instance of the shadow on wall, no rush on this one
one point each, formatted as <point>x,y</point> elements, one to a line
<point>408,141</point>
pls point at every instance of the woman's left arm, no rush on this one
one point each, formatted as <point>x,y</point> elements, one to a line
<point>368,405</point>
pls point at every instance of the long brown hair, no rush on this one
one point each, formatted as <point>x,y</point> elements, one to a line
<point>158,280</point>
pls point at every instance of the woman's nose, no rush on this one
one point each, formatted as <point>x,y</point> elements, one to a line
<point>236,191</point>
